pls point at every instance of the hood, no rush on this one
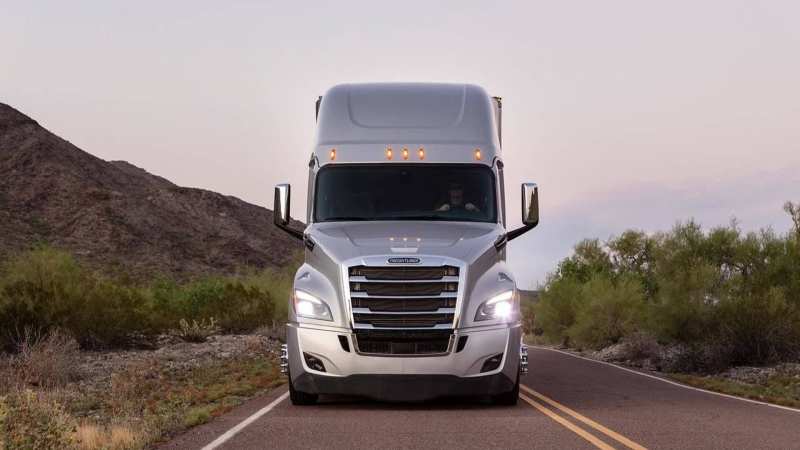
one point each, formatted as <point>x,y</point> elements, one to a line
<point>461,240</point>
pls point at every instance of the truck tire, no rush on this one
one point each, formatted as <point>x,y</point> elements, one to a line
<point>300,398</point>
<point>508,398</point>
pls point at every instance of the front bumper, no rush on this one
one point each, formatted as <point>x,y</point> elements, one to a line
<point>407,388</point>
<point>409,378</point>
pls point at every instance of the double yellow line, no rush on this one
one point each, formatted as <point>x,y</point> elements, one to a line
<point>571,426</point>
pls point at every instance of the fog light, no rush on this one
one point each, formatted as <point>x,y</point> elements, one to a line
<point>492,363</point>
<point>313,362</point>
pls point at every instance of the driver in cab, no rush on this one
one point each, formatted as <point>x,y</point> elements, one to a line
<point>456,200</point>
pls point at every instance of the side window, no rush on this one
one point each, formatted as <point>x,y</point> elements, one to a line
<point>310,196</point>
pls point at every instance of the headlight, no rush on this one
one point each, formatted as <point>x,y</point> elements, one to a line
<point>499,307</point>
<point>306,305</point>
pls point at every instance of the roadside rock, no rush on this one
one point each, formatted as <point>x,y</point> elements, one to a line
<point>760,375</point>
<point>174,355</point>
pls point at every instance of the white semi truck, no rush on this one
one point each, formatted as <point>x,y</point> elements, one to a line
<point>405,293</point>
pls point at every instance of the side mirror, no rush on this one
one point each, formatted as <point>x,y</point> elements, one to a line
<point>280,213</point>
<point>283,195</point>
<point>530,214</point>
<point>530,204</point>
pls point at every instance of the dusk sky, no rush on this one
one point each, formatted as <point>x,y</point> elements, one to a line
<point>628,114</point>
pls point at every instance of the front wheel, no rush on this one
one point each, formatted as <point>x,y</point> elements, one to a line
<point>300,398</point>
<point>508,398</point>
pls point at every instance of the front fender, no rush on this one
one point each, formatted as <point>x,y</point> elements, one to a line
<point>493,280</point>
<point>314,282</point>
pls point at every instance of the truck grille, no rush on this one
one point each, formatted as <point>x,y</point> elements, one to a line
<point>403,310</point>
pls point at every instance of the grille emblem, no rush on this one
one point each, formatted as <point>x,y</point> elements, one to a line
<point>403,260</point>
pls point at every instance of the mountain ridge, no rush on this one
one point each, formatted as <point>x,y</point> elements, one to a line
<point>115,215</point>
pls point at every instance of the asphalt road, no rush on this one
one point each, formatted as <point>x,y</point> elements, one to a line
<point>566,402</point>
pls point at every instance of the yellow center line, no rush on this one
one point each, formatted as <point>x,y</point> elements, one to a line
<point>610,433</point>
<point>566,423</point>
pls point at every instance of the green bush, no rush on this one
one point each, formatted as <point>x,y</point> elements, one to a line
<point>558,307</point>
<point>608,312</point>
<point>278,284</point>
<point>45,289</point>
<point>719,296</point>
<point>759,328</point>
<point>234,305</point>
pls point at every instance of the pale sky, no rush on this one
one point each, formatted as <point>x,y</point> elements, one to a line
<point>628,114</point>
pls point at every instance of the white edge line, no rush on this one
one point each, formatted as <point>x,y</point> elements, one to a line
<point>233,431</point>
<point>674,383</point>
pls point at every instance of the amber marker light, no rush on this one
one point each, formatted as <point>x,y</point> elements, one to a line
<point>477,154</point>
<point>405,153</point>
<point>389,153</point>
<point>421,153</point>
<point>333,154</point>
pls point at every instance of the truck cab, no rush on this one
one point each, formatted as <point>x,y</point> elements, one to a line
<point>405,293</point>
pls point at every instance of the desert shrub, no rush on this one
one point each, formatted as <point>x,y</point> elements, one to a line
<point>137,380</point>
<point>683,309</point>
<point>39,290</point>
<point>641,345</point>
<point>557,308</point>
<point>278,284</point>
<point>528,312</point>
<point>589,259</point>
<point>633,255</point>
<point>714,297</point>
<point>33,420</point>
<point>195,331</point>
<point>109,314</point>
<point>608,312</point>
<point>235,306</point>
<point>759,328</point>
<point>43,361</point>
<point>44,289</point>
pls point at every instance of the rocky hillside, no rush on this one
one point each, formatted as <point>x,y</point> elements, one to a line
<point>120,218</point>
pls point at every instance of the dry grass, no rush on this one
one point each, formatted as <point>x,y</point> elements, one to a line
<point>142,402</point>
<point>34,420</point>
<point>43,361</point>
<point>255,346</point>
<point>779,389</point>
<point>115,437</point>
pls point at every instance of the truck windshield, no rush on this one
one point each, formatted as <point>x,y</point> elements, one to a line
<point>462,193</point>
